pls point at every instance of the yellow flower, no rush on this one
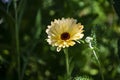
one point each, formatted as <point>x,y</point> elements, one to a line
<point>64,33</point>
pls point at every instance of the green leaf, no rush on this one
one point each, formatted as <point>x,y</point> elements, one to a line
<point>38,25</point>
<point>20,9</point>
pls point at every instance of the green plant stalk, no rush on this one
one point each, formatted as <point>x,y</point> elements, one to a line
<point>17,38</point>
<point>27,59</point>
<point>98,63</point>
<point>67,62</point>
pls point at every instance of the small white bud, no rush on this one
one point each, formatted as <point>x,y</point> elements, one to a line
<point>88,39</point>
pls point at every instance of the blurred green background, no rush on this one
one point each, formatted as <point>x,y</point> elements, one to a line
<point>40,61</point>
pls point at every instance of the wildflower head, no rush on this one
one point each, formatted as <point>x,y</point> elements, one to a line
<point>6,1</point>
<point>64,33</point>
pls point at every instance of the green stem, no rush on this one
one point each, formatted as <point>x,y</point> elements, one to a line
<point>17,38</point>
<point>26,59</point>
<point>67,62</point>
<point>98,63</point>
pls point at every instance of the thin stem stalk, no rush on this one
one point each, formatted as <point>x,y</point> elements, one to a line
<point>67,62</point>
<point>17,38</point>
<point>98,63</point>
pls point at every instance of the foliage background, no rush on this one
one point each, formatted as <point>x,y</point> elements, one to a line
<point>40,61</point>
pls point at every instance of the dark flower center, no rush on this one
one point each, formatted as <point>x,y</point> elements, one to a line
<point>65,36</point>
